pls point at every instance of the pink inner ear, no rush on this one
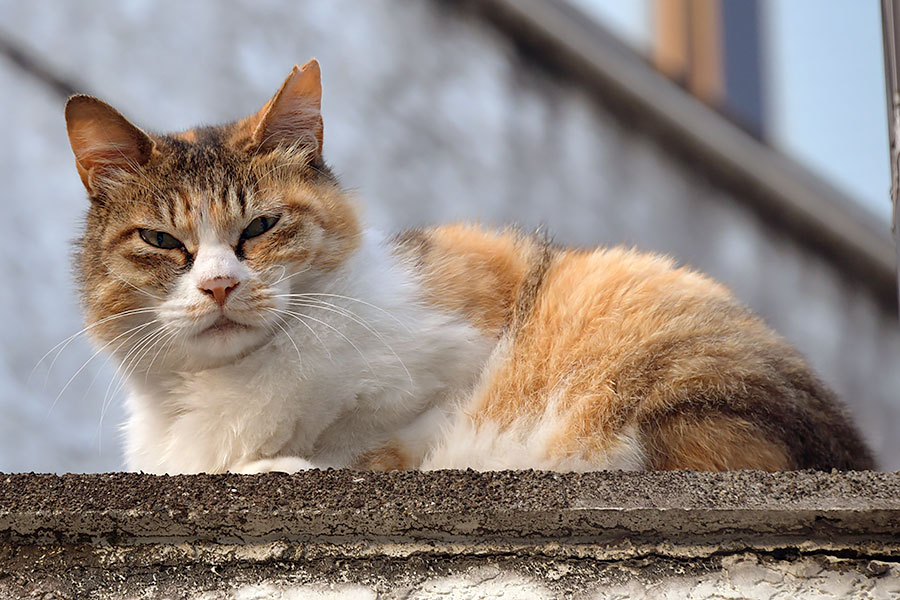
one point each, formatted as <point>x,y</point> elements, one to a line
<point>294,115</point>
<point>298,124</point>
<point>100,136</point>
<point>96,144</point>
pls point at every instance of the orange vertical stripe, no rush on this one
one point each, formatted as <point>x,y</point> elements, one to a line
<point>671,50</point>
<point>706,79</point>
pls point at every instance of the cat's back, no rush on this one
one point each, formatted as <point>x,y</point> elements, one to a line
<point>614,358</point>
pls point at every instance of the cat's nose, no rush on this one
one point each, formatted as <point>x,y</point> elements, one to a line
<point>218,288</point>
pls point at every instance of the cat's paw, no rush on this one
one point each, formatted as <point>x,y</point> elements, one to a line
<point>282,464</point>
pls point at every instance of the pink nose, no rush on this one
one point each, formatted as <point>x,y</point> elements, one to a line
<point>218,288</point>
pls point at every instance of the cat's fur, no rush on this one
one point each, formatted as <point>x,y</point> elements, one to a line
<point>319,343</point>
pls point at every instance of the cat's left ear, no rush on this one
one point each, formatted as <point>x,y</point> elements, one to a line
<point>293,116</point>
<point>103,140</point>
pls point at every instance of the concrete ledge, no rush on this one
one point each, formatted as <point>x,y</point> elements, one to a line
<point>403,534</point>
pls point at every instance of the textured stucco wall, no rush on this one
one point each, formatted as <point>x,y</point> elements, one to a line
<point>432,116</point>
<point>737,577</point>
<point>340,534</point>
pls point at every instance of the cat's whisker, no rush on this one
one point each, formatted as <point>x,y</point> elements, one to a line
<point>264,273</point>
<point>125,364</point>
<point>351,299</point>
<point>94,355</point>
<point>171,344</point>
<point>109,397</point>
<point>140,349</point>
<point>322,305</point>
<point>128,283</point>
<point>109,357</point>
<point>285,278</point>
<point>162,335</point>
<point>298,316</point>
<point>64,343</point>
<point>171,335</point>
<point>94,381</point>
<point>293,343</point>
<point>119,375</point>
<point>330,305</point>
<point>311,330</point>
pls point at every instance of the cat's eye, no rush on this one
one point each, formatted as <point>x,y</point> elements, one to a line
<point>258,226</point>
<point>160,239</point>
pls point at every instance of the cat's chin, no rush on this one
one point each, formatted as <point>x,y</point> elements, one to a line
<point>223,342</point>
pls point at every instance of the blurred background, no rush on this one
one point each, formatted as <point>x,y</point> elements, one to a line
<point>746,138</point>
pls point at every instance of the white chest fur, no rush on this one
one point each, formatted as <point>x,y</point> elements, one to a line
<point>328,387</point>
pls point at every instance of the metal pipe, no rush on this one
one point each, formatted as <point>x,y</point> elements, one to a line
<point>890,12</point>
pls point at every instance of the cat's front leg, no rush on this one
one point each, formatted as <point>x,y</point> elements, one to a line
<point>282,464</point>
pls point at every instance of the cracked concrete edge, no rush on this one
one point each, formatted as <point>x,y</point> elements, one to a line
<point>36,574</point>
<point>611,515</point>
<point>601,533</point>
<point>183,554</point>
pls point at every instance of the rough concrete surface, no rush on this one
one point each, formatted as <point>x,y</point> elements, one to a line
<point>346,534</point>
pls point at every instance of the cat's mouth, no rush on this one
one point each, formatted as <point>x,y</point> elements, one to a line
<point>223,325</point>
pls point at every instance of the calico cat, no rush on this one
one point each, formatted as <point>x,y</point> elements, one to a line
<point>261,327</point>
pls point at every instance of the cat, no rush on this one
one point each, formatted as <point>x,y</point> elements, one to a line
<point>261,327</point>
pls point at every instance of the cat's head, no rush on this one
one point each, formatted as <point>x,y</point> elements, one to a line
<point>194,239</point>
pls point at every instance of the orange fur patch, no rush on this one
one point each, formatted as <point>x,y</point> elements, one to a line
<point>616,337</point>
<point>714,443</point>
<point>474,272</point>
<point>189,136</point>
<point>386,458</point>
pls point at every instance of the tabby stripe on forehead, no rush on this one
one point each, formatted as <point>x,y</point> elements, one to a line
<point>170,207</point>
<point>242,201</point>
<point>185,202</point>
<point>215,211</point>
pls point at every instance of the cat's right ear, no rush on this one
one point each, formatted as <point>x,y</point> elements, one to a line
<point>293,117</point>
<point>103,140</point>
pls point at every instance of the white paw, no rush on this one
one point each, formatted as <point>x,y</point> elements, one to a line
<point>283,464</point>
